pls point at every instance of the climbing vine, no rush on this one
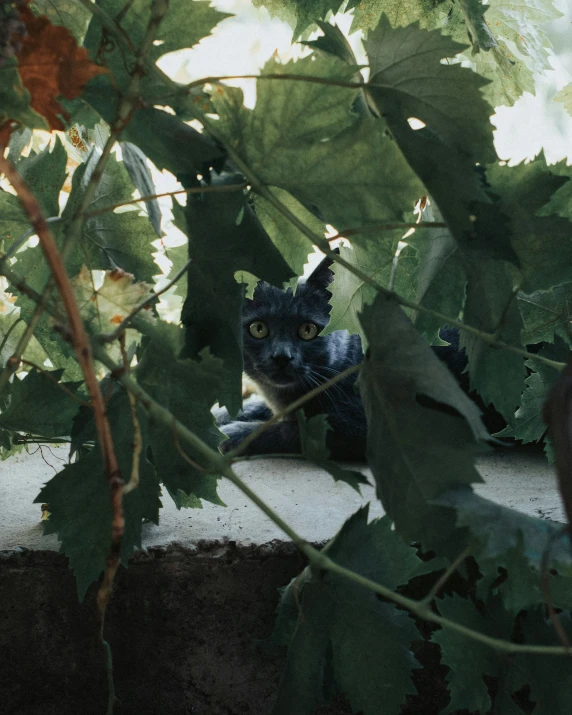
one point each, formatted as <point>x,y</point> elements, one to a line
<point>398,157</point>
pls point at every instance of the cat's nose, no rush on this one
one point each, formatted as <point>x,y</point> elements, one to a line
<point>281,360</point>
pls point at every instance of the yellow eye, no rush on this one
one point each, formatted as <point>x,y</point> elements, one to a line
<point>258,329</point>
<point>308,331</point>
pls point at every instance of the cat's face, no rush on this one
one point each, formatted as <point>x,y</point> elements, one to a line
<point>283,349</point>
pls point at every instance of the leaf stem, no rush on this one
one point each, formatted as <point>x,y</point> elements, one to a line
<point>445,576</point>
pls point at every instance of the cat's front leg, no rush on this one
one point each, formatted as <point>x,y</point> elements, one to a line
<point>281,438</point>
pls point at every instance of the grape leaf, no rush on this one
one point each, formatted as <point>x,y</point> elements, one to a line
<point>351,178</point>
<point>51,64</point>
<point>565,96</point>
<point>546,315</point>
<point>288,239</point>
<point>135,162</point>
<point>542,243</point>
<point>80,508</point>
<point>111,240</point>
<point>39,406</point>
<point>497,375</point>
<point>188,389</point>
<point>212,312</point>
<point>45,173</point>
<point>69,13</point>
<point>338,630</point>
<point>350,294</point>
<point>416,447</point>
<point>498,528</point>
<point>468,659</point>
<point>313,439</point>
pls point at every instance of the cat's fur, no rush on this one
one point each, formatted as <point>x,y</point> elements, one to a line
<point>284,366</point>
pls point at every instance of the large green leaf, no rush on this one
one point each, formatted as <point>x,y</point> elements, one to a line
<point>188,389</point>
<point>339,633</point>
<point>348,170</point>
<point>468,659</point>
<point>416,449</point>
<point>212,312</point>
<point>350,294</point>
<point>546,315</point>
<point>542,243</point>
<point>408,79</point>
<point>39,406</point>
<point>79,501</point>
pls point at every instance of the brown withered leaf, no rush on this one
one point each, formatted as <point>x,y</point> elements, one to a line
<point>557,413</point>
<point>51,65</point>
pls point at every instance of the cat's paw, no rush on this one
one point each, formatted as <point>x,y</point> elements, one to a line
<point>236,432</point>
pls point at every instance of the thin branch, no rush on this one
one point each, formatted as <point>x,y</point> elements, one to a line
<point>50,377</point>
<point>225,188</point>
<point>110,337</point>
<point>446,575</point>
<point>237,451</point>
<point>386,227</point>
<point>219,464</point>
<point>137,445</point>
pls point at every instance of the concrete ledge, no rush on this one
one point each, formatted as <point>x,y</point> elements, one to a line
<point>190,615</point>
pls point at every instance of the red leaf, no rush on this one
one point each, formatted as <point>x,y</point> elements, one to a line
<point>51,65</point>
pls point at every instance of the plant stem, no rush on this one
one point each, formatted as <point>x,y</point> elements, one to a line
<point>233,454</point>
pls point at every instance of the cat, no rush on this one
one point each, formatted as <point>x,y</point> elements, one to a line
<point>286,355</point>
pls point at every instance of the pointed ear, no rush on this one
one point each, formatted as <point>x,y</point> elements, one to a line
<point>322,275</point>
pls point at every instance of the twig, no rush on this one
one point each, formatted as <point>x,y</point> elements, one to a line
<point>224,188</point>
<point>185,456</point>
<point>219,464</point>
<point>446,575</point>
<point>237,451</point>
<point>385,227</point>
<point>110,337</point>
<point>133,482</point>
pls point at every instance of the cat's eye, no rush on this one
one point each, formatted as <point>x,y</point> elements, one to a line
<point>308,331</point>
<point>258,329</point>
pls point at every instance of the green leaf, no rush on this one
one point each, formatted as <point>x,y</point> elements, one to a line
<point>15,99</point>
<point>184,25</point>
<point>498,528</point>
<point>546,315</point>
<point>565,96</point>
<point>415,449</point>
<point>349,172</point>
<point>351,294</point>
<point>188,389</point>
<point>212,312</point>
<point>467,658</point>
<point>497,375</point>
<point>80,507</point>
<point>135,162</point>
<point>313,438</point>
<point>549,679</point>
<point>408,79</point>
<point>38,405</point>
<point>542,243</point>
<point>69,13</point>
<point>45,173</point>
<point>289,240</point>
<point>343,633</point>
<point>112,239</point>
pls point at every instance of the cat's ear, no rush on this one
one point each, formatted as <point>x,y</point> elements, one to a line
<point>322,275</point>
